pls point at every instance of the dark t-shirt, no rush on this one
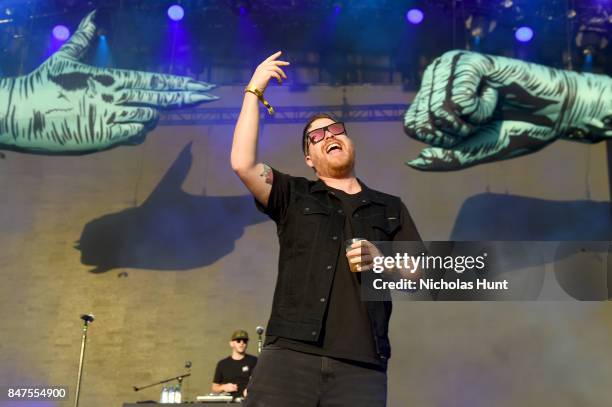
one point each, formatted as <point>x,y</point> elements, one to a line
<point>235,371</point>
<point>347,331</point>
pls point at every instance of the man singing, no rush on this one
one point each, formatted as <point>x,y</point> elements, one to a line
<point>324,345</point>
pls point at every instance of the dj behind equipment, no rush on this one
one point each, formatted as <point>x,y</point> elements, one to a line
<point>231,376</point>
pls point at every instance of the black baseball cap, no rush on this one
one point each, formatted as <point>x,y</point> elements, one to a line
<point>240,334</point>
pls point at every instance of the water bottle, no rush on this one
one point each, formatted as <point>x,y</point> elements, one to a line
<point>171,394</point>
<point>164,395</point>
<point>177,394</point>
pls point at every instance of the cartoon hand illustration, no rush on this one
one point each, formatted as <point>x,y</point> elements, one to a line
<point>68,107</point>
<point>474,108</point>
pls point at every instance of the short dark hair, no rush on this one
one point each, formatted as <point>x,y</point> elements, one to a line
<point>309,122</point>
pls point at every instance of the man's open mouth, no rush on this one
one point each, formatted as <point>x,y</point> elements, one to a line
<point>333,146</point>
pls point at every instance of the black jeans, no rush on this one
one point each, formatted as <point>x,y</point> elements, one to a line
<point>287,378</point>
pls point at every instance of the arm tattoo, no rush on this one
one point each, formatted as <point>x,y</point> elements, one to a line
<point>267,174</point>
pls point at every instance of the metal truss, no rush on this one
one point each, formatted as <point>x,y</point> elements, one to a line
<point>286,114</point>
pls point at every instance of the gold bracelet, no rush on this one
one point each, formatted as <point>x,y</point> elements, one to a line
<point>254,90</point>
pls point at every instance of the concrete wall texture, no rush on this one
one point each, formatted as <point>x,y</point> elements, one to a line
<point>162,243</point>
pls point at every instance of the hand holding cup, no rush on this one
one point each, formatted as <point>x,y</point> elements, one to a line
<point>360,254</point>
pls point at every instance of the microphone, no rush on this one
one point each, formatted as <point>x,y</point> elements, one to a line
<point>87,317</point>
<point>259,330</point>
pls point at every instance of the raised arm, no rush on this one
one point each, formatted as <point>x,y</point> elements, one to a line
<point>257,177</point>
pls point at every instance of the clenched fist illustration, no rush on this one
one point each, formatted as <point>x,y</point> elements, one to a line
<point>474,108</point>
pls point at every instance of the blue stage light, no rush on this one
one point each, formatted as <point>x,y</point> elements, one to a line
<point>337,7</point>
<point>415,16</point>
<point>587,66</point>
<point>61,32</point>
<point>176,12</point>
<point>103,55</point>
<point>523,34</point>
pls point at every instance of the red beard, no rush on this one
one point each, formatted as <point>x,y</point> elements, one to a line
<point>337,168</point>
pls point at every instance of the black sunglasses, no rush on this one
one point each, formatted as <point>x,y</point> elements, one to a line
<point>317,135</point>
<point>241,340</point>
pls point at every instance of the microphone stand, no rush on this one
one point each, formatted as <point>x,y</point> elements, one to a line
<point>179,378</point>
<point>259,330</point>
<point>87,318</point>
<point>259,344</point>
